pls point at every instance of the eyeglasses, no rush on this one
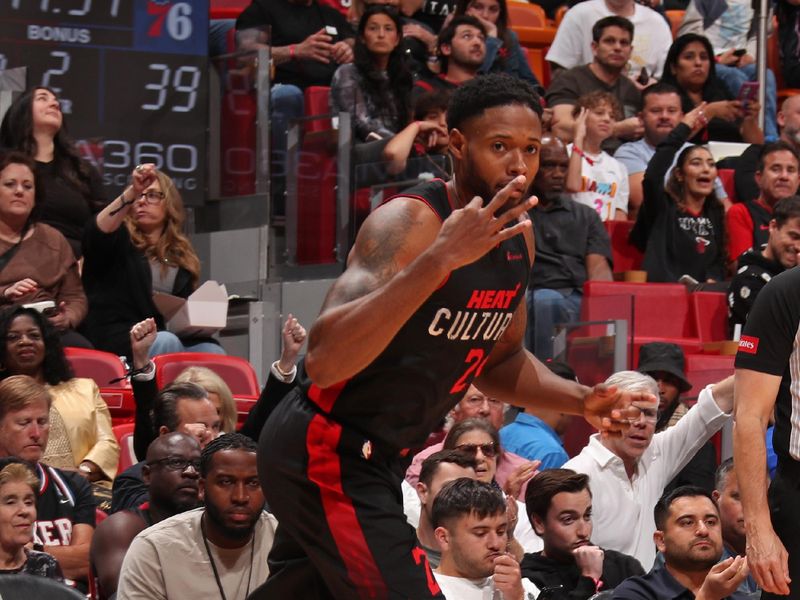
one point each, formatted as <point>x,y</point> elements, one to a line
<point>478,400</point>
<point>650,414</point>
<point>151,196</point>
<point>173,463</point>
<point>489,450</point>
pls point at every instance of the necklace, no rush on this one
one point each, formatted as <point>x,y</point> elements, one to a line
<point>214,564</point>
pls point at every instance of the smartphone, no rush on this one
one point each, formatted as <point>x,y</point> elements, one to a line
<point>331,31</point>
<point>748,92</point>
<point>740,52</point>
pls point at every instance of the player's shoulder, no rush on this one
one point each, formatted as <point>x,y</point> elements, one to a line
<point>406,222</point>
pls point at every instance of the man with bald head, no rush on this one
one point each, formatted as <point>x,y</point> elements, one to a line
<point>572,246</point>
<point>171,473</point>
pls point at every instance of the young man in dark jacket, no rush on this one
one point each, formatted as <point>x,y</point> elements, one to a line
<point>559,504</point>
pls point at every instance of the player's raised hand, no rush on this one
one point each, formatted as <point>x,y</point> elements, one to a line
<point>611,410</point>
<point>470,232</point>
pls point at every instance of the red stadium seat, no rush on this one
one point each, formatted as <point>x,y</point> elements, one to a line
<point>702,369</point>
<point>625,255</point>
<point>124,435</point>
<point>227,9</point>
<point>235,371</point>
<point>710,314</point>
<point>103,368</point>
<point>726,176</point>
<point>526,14</point>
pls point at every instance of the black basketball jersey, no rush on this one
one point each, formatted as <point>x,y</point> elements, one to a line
<point>404,393</point>
<point>65,499</point>
<point>761,217</point>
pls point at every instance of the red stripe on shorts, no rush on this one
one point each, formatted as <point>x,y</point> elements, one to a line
<point>324,469</point>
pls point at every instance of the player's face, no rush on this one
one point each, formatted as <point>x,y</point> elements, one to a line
<point>488,10</point>
<point>784,242</point>
<point>24,347</point>
<point>17,515</point>
<point>496,147</point>
<point>199,419</point>
<point>552,174</point>
<point>780,178</point>
<point>174,480</point>
<point>474,543</point>
<point>46,112</point>
<point>699,172</point>
<point>482,445</point>
<point>692,67</point>
<point>614,48</point>
<point>24,433</point>
<point>637,438</point>
<point>568,524</point>
<point>692,538</point>
<point>468,47</point>
<point>476,404</point>
<point>232,493</point>
<point>381,35</point>
<point>446,473</point>
<point>730,509</point>
<point>600,121</point>
<point>660,115</point>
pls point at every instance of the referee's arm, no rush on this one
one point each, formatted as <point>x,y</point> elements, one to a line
<point>754,399</point>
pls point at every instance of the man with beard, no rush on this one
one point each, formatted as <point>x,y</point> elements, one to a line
<point>472,531</point>
<point>461,48</point>
<point>216,551</point>
<point>611,49</point>
<point>757,267</point>
<point>171,473</point>
<point>431,300</point>
<point>572,246</point>
<point>689,536</point>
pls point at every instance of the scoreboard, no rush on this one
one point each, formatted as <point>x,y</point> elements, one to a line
<point>132,77</point>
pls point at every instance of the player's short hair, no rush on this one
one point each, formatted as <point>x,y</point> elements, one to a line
<point>788,208</point>
<point>489,91</point>
<point>466,496</point>
<point>611,21</point>
<point>772,148</point>
<point>661,510</point>
<point>595,99</point>
<point>227,441</point>
<point>20,391</point>
<point>548,483</point>
<point>430,466</point>
<point>165,408</point>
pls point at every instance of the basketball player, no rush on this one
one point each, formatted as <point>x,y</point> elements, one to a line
<point>431,300</point>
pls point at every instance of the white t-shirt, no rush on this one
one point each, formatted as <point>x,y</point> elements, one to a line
<point>572,46</point>
<point>458,588</point>
<point>168,561</point>
<point>605,186</point>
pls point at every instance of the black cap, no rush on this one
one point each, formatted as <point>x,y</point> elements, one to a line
<point>662,356</point>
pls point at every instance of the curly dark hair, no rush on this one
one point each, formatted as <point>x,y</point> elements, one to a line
<point>16,132</point>
<point>396,90</point>
<point>55,366</point>
<point>489,91</point>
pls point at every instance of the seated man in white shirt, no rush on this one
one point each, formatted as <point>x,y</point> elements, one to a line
<point>472,531</point>
<point>628,474</point>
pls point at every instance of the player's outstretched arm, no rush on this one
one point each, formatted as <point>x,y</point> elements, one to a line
<point>754,399</point>
<point>516,376</point>
<point>401,256</point>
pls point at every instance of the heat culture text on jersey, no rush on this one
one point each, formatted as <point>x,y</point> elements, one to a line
<point>484,323</point>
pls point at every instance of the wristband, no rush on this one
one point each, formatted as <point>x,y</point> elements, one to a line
<point>291,52</point>
<point>582,154</point>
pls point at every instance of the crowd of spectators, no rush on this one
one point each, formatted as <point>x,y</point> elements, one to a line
<point>630,111</point>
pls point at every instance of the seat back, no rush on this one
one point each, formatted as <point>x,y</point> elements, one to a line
<point>127,455</point>
<point>710,314</point>
<point>526,14</point>
<point>675,18</point>
<point>103,368</point>
<point>727,177</point>
<point>626,256</point>
<point>539,65</point>
<point>317,102</point>
<point>703,369</point>
<point>235,371</point>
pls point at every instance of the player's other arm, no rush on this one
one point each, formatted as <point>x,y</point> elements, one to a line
<point>401,255</point>
<point>754,399</point>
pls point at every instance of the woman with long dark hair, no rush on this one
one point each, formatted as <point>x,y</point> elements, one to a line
<point>681,226</point>
<point>690,68</point>
<point>376,88</point>
<point>80,424</point>
<point>503,52</point>
<point>71,188</point>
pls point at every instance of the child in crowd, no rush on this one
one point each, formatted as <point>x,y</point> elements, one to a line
<point>595,178</point>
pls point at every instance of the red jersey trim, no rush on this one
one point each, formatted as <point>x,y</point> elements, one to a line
<point>325,398</point>
<point>325,470</point>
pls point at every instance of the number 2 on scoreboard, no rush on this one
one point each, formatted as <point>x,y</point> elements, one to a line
<point>475,362</point>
